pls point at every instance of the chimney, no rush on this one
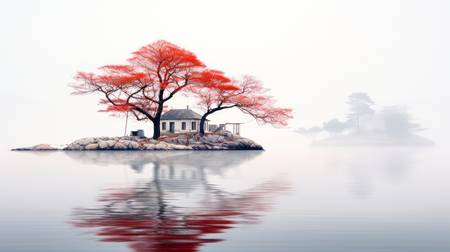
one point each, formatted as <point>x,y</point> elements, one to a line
<point>187,107</point>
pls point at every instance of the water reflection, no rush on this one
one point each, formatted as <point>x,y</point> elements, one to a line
<point>392,164</point>
<point>158,215</point>
<point>366,165</point>
<point>214,161</point>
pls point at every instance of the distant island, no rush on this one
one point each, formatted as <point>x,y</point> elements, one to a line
<point>390,126</point>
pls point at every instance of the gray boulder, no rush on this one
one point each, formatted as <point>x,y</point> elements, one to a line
<point>38,147</point>
<point>92,146</point>
<point>85,141</point>
<point>120,146</point>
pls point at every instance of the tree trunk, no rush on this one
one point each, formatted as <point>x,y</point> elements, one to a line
<point>209,112</point>
<point>202,124</point>
<point>157,119</point>
<point>156,129</point>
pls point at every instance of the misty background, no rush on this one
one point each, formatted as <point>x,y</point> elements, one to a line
<point>363,125</point>
<point>311,54</point>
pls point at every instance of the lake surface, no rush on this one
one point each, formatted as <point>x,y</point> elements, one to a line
<point>294,199</point>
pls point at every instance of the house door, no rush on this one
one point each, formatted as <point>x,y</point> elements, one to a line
<point>172,127</point>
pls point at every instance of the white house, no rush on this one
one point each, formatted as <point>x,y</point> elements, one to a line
<point>181,121</point>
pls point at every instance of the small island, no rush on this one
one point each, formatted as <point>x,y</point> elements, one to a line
<point>215,141</point>
<point>143,87</point>
<point>179,128</point>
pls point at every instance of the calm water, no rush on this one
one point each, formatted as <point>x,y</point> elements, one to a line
<point>302,199</point>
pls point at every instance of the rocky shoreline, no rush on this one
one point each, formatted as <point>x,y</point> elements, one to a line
<point>216,141</point>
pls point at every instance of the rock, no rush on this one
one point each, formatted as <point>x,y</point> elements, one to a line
<point>103,145</point>
<point>73,146</point>
<point>124,142</point>
<point>120,146</point>
<point>85,141</point>
<point>182,138</point>
<point>161,146</point>
<point>149,146</point>
<point>93,146</point>
<point>245,141</point>
<point>134,146</point>
<point>181,147</point>
<point>223,141</point>
<point>38,147</point>
<point>110,143</point>
<point>213,138</point>
<point>200,147</point>
<point>43,147</point>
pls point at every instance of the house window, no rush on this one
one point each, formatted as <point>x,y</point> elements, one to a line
<point>163,126</point>
<point>194,126</point>
<point>183,126</point>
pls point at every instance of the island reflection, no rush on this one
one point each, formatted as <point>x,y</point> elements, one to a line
<point>148,215</point>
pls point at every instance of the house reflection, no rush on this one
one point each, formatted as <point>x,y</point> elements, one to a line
<point>156,215</point>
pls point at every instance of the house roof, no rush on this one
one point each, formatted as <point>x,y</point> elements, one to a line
<point>181,114</point>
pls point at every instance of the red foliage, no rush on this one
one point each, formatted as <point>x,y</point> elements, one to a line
<point>155,73</point>
<point>117,108</point>
<point>248,95</point>
<point>158,71</point>
<point>171,65</point>
<point>213,79</point>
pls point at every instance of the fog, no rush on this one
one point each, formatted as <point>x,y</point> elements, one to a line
<point>391,125</point>
<point>311,54</point>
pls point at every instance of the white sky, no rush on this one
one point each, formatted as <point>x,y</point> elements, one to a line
<point>312,54</point>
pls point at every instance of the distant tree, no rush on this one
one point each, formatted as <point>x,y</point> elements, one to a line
<point>360,105</point>
<point>398,122</point>
<point>335,126</point>
<point>247,95</point>
<point>154,75</point>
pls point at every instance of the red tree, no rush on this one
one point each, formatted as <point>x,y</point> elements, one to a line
<point>247,95</point>
<point>155,73</point>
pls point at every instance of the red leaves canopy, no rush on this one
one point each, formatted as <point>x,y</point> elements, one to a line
<point>158,71</point>
<point>171,65</point>
<point>214,79</point>
<point>248,95</point>
<point>155,73</point>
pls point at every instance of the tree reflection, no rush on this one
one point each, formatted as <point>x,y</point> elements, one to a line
<point>146,217</point>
